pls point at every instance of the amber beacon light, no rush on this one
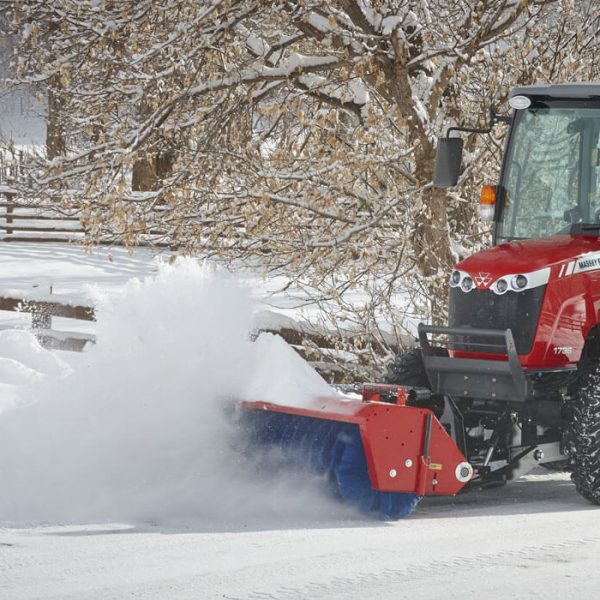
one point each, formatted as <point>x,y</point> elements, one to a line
<point>486,202</point>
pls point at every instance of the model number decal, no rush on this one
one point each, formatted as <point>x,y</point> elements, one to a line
<point>563,350</point>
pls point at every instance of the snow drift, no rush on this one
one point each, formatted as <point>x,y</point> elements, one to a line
<point>136,427</point>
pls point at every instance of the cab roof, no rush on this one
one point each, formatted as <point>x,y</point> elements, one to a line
<point>563,90</point>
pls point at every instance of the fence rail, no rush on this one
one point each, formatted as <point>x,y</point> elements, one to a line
<point>42,311</point>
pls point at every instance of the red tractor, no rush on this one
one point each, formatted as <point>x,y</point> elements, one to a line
<point>514,380</point>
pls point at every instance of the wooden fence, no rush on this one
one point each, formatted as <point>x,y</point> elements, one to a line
<point>44,310</point>
<point>29,219</point>
<point>320,349</point>
<point>26,220</point>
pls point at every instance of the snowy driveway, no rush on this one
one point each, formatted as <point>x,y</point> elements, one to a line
<point>535,538</point>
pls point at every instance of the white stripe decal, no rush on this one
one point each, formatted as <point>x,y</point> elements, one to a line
<point>570,268</point>
<point>562,268</point>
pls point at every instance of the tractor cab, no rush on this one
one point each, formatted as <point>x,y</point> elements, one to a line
<point>550,177</point>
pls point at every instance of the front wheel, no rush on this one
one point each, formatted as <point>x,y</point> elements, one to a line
<point>582,439</point>
<point>407,369</point>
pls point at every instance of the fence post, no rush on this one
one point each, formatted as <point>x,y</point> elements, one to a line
<point>41,319</point>
<point>10,207</point>
<point>41,316</point>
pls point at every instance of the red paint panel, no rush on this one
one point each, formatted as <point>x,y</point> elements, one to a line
<point>571,305</point>
<point>528,255</point>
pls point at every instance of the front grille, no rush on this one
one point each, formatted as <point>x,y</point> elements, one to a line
<point>517,311</point>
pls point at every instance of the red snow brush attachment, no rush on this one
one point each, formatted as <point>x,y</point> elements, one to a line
<point>380,457</point>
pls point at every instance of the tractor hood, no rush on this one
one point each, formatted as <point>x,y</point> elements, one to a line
<point>540,256</point>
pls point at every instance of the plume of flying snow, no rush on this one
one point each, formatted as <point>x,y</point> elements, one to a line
<point>138,428</point>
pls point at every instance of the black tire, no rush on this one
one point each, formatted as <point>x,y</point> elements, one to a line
<point>407,369</point>
<point>582,435</point>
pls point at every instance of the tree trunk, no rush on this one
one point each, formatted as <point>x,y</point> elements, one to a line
<point>144,177</point>
<point>156,166</point>
<point>55,131</point>
<point>431,236</point>
<point>431,242</point>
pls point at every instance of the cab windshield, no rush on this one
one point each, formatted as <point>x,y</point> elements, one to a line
<point>550,178</point>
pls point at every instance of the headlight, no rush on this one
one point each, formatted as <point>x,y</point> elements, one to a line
<point>455,278</point>
<point>518,282</point>
<point>466,284</point>
<point>501,286</point>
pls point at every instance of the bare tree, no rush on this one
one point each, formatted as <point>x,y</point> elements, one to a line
<point>297,136</point>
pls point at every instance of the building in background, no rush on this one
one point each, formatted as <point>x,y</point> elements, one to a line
<point>23,109</point>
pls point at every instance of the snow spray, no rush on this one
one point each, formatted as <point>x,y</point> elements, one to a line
<point>136,428</point>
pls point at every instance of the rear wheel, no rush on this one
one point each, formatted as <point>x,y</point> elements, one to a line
<point>582,439</point>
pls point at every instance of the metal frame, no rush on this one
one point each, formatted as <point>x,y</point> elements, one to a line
<point>493,119</point>
<point>474,378</point>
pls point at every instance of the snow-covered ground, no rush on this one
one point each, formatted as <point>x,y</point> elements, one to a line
<point>119,476</point>
<point>532,539</point>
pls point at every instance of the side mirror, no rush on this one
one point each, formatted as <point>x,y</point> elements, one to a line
<point>447,162</point>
